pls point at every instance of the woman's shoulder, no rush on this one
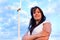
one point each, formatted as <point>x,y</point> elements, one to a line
<point>46,22</point>
<point>47,26</point>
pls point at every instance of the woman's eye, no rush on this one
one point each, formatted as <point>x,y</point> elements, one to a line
<point>34,12</point>
<point>38,12</point>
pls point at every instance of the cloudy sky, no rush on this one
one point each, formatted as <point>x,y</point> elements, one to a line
<point>9,21</point>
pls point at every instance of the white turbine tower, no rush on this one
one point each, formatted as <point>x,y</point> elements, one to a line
<point>19,23</point>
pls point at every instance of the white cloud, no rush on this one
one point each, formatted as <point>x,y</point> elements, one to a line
<point>0,28</point>
<point>2,33</point>
<point>51,38</point>
<point>1,11</point>
<point>2,1</point>
<point>8,21</point>
<point>7,34</point>
<point>50,8</point>
<point>14,28</point>
<point>14,6</point>
<point>49,0</point>
<point>23,12</point>
<point>11,7</point>
<point>25,21</point>
<point>15,38</point>
<point>32,4</point>
<point>20,38</point>
<point>25,1</point>
<point>1,19</point>
<point>12,17</point>
<point>54,38</point>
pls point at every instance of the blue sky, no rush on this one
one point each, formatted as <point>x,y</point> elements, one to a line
<point>51,9</point>
<point>9,21</point>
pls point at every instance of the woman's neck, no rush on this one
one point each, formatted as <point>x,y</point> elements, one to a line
<point>37,21</point>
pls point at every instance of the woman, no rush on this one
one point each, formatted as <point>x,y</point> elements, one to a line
<point>39,29</point>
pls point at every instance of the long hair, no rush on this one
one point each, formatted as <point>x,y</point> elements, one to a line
<point>32,23</point>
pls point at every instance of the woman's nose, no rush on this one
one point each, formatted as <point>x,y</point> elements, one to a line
<point>36,13</point>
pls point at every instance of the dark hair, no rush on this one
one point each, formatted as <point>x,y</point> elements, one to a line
<point>32,23</point>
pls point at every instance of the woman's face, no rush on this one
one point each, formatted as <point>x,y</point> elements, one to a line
<point>37,14</point>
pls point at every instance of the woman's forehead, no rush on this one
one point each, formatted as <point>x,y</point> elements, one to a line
<point>35,9</point>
